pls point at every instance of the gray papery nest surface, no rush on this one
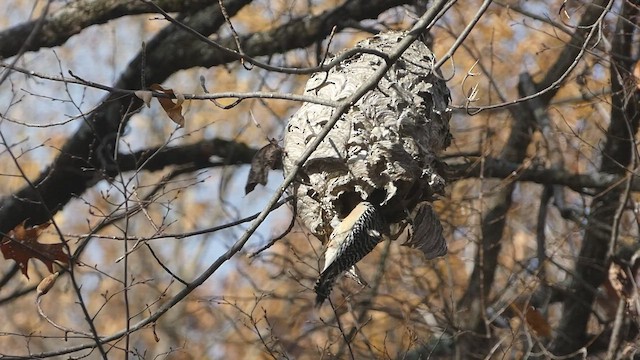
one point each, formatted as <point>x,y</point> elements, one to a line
<point>383,150</point>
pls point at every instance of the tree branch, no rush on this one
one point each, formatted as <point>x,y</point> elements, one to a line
<point>494,215</point>
<point>592,262</point>
<point>155,159</point>
<point>234,153</point>
<point>76,16</point>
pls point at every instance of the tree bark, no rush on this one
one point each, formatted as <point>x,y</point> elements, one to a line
<point>497,206</point>
<point>592,262</point>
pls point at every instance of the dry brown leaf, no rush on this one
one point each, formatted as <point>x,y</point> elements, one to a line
<point>636,73</point>
<point>622,281</point>
<point>533,318</point>
<point>269,157</point>
<point>145,95</point>
<point>173,110</point>
<point>21,244</point>
<point>537,322</point>
<point>47,283</point>
<point>619,280</point>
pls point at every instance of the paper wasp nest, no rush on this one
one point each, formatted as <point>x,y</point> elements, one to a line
<point>382,150</point>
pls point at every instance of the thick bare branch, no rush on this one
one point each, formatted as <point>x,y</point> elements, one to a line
<point>501,169</point>
<point>76,16</point>
<point>229,152</point>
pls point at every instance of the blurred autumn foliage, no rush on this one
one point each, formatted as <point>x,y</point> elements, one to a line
<point>140,212</point>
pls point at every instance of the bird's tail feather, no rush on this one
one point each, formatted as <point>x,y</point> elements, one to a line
<point>325,283</point>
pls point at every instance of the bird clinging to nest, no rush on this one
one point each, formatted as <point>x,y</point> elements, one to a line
<point>375,173</point>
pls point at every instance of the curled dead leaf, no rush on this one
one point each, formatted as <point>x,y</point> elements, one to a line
<point>533,318</point>
<point>145,96</point>
<point>47,283</point>
<point>269,157</point>
<point>179,98</point>
<point>173,110</point>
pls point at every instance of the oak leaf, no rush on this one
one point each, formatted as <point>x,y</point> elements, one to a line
<point>21,244</point>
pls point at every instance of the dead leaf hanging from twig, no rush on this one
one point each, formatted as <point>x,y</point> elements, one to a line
<point>265,159</point>
<point>145,96</point>
<point>46,284</point>
<point>173,110</point>
<point>21,244</point>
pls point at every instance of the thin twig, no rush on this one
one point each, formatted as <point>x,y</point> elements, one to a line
<point>34,33</point>
<point>208,96</point>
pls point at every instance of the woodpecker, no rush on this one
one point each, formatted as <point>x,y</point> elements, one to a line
<point>356,236</point>
<point>377,169</point>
